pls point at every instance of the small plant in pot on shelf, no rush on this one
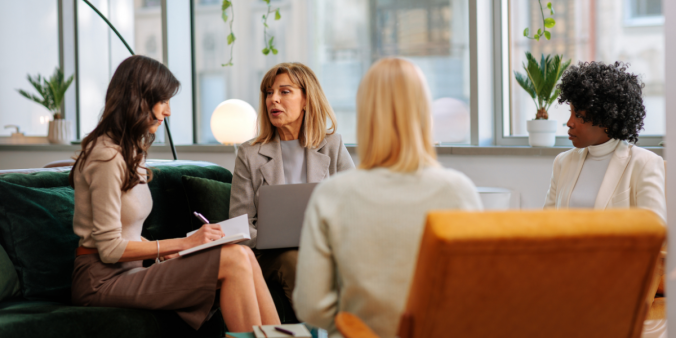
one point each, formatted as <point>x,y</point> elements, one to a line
<point>540,83</point>
<point>51,93</point>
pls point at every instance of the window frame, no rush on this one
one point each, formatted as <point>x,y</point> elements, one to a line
<point>502,84</point>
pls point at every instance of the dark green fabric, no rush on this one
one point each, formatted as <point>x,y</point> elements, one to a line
<point>171,216</point>
<point>36,230</point>
<point>38,180</point>
<point>57,320</point>
<point>210,198</point>
<point>43,319</point>
<point>9,280</point>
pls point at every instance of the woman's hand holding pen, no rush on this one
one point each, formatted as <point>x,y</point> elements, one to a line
<point>207,233</point>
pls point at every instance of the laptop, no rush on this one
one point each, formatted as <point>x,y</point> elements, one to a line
<point>281,210</point>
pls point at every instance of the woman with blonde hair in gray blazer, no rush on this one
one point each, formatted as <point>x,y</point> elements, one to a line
<point>294,145</point>
<point>605,171</point>
<point>362,228</point>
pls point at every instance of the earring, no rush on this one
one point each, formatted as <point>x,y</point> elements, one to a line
<point>606,130</point>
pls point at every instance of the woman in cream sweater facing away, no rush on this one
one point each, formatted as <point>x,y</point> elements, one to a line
<point>112,200</point>
<point>362,228</point>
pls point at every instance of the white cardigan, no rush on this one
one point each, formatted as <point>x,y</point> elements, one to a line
<point>360,241</point>
<point>635,178</point>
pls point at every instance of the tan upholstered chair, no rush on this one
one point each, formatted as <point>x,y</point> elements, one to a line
<point>553,273</point>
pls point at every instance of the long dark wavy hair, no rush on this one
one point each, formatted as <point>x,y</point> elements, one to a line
<point>137,85</point>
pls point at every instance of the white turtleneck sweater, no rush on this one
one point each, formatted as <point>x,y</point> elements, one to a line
<point>593,170</point>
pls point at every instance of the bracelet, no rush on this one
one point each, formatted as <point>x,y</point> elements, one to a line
<point>157,260</point>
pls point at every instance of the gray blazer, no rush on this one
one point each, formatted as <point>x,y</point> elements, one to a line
<point>261,164</point>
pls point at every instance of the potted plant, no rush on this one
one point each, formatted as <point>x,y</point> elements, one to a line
<point>52,92</point>
<point>540,83</point>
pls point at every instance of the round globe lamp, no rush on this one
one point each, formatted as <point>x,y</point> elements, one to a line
<point>233,122</point>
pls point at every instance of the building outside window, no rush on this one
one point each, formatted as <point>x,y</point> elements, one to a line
<point>643,13</point>
<point>433,34</point>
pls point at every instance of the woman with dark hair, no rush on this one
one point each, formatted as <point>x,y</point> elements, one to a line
<point>112,200</point>
<point>605,170</point>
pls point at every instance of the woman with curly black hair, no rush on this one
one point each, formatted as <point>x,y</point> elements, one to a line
<point>605,170</point>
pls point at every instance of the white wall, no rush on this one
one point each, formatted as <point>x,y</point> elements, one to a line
<point>527,175</point>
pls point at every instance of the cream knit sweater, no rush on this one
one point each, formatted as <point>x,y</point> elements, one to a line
<point>106,218</point>
<point>360,241</point>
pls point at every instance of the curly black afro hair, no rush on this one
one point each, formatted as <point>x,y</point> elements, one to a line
<point>609,96</point>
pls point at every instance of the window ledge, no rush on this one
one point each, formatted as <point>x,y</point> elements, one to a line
<point>441,150</point>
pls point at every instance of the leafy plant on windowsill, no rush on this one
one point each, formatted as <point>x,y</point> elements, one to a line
<point>269,43</point>
<point>51,91</point>
<point>541,78</point>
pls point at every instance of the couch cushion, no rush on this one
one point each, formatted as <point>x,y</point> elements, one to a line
<point>42,203</point>
<point>9,280</point>
<point>171,216</point>
<point>36,229</point>
<point>210,198</point>
<point>41,179</point>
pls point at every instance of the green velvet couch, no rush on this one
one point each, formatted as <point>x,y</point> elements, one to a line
<point>36,212</point>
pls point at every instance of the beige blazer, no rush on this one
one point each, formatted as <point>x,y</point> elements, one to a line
<point>635,178</point>
<point>261,164</point>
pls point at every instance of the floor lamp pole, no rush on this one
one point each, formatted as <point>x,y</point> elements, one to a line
<point>166,120</point>
<point>171,143</point>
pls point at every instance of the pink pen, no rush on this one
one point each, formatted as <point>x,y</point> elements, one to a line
<point>201,218</point>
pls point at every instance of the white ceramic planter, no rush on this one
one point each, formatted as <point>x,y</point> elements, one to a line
<point>541,133</point>
<point>60,131</point>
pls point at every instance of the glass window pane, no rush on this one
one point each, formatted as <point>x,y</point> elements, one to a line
<point>340,41</point>
<point>431,33</point>
<point>29,34</point>
<point>587,31</point>
<point>100,51</point>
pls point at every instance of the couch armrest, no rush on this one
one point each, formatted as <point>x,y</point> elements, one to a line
<point>350,326</point>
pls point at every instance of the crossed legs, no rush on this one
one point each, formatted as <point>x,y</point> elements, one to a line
<point>245,298</point>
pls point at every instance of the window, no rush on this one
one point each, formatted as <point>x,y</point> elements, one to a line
<point>644,12</point>
<point>29,34</point>
<point>431,33</point>
<point>338,41</point>
<point>100,51</point>
<point>585,31</point>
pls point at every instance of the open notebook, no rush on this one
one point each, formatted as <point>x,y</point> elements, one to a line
<point>235,229</point>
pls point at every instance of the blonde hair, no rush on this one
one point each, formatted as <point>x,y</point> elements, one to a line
<point>394,122</point>
<point>317,108</point>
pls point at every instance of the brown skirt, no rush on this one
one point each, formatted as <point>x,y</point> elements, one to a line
<point>186,284</point>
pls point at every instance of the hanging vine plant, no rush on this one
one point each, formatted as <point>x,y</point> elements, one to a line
<point>269,43</point>
<point>546,23</point>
